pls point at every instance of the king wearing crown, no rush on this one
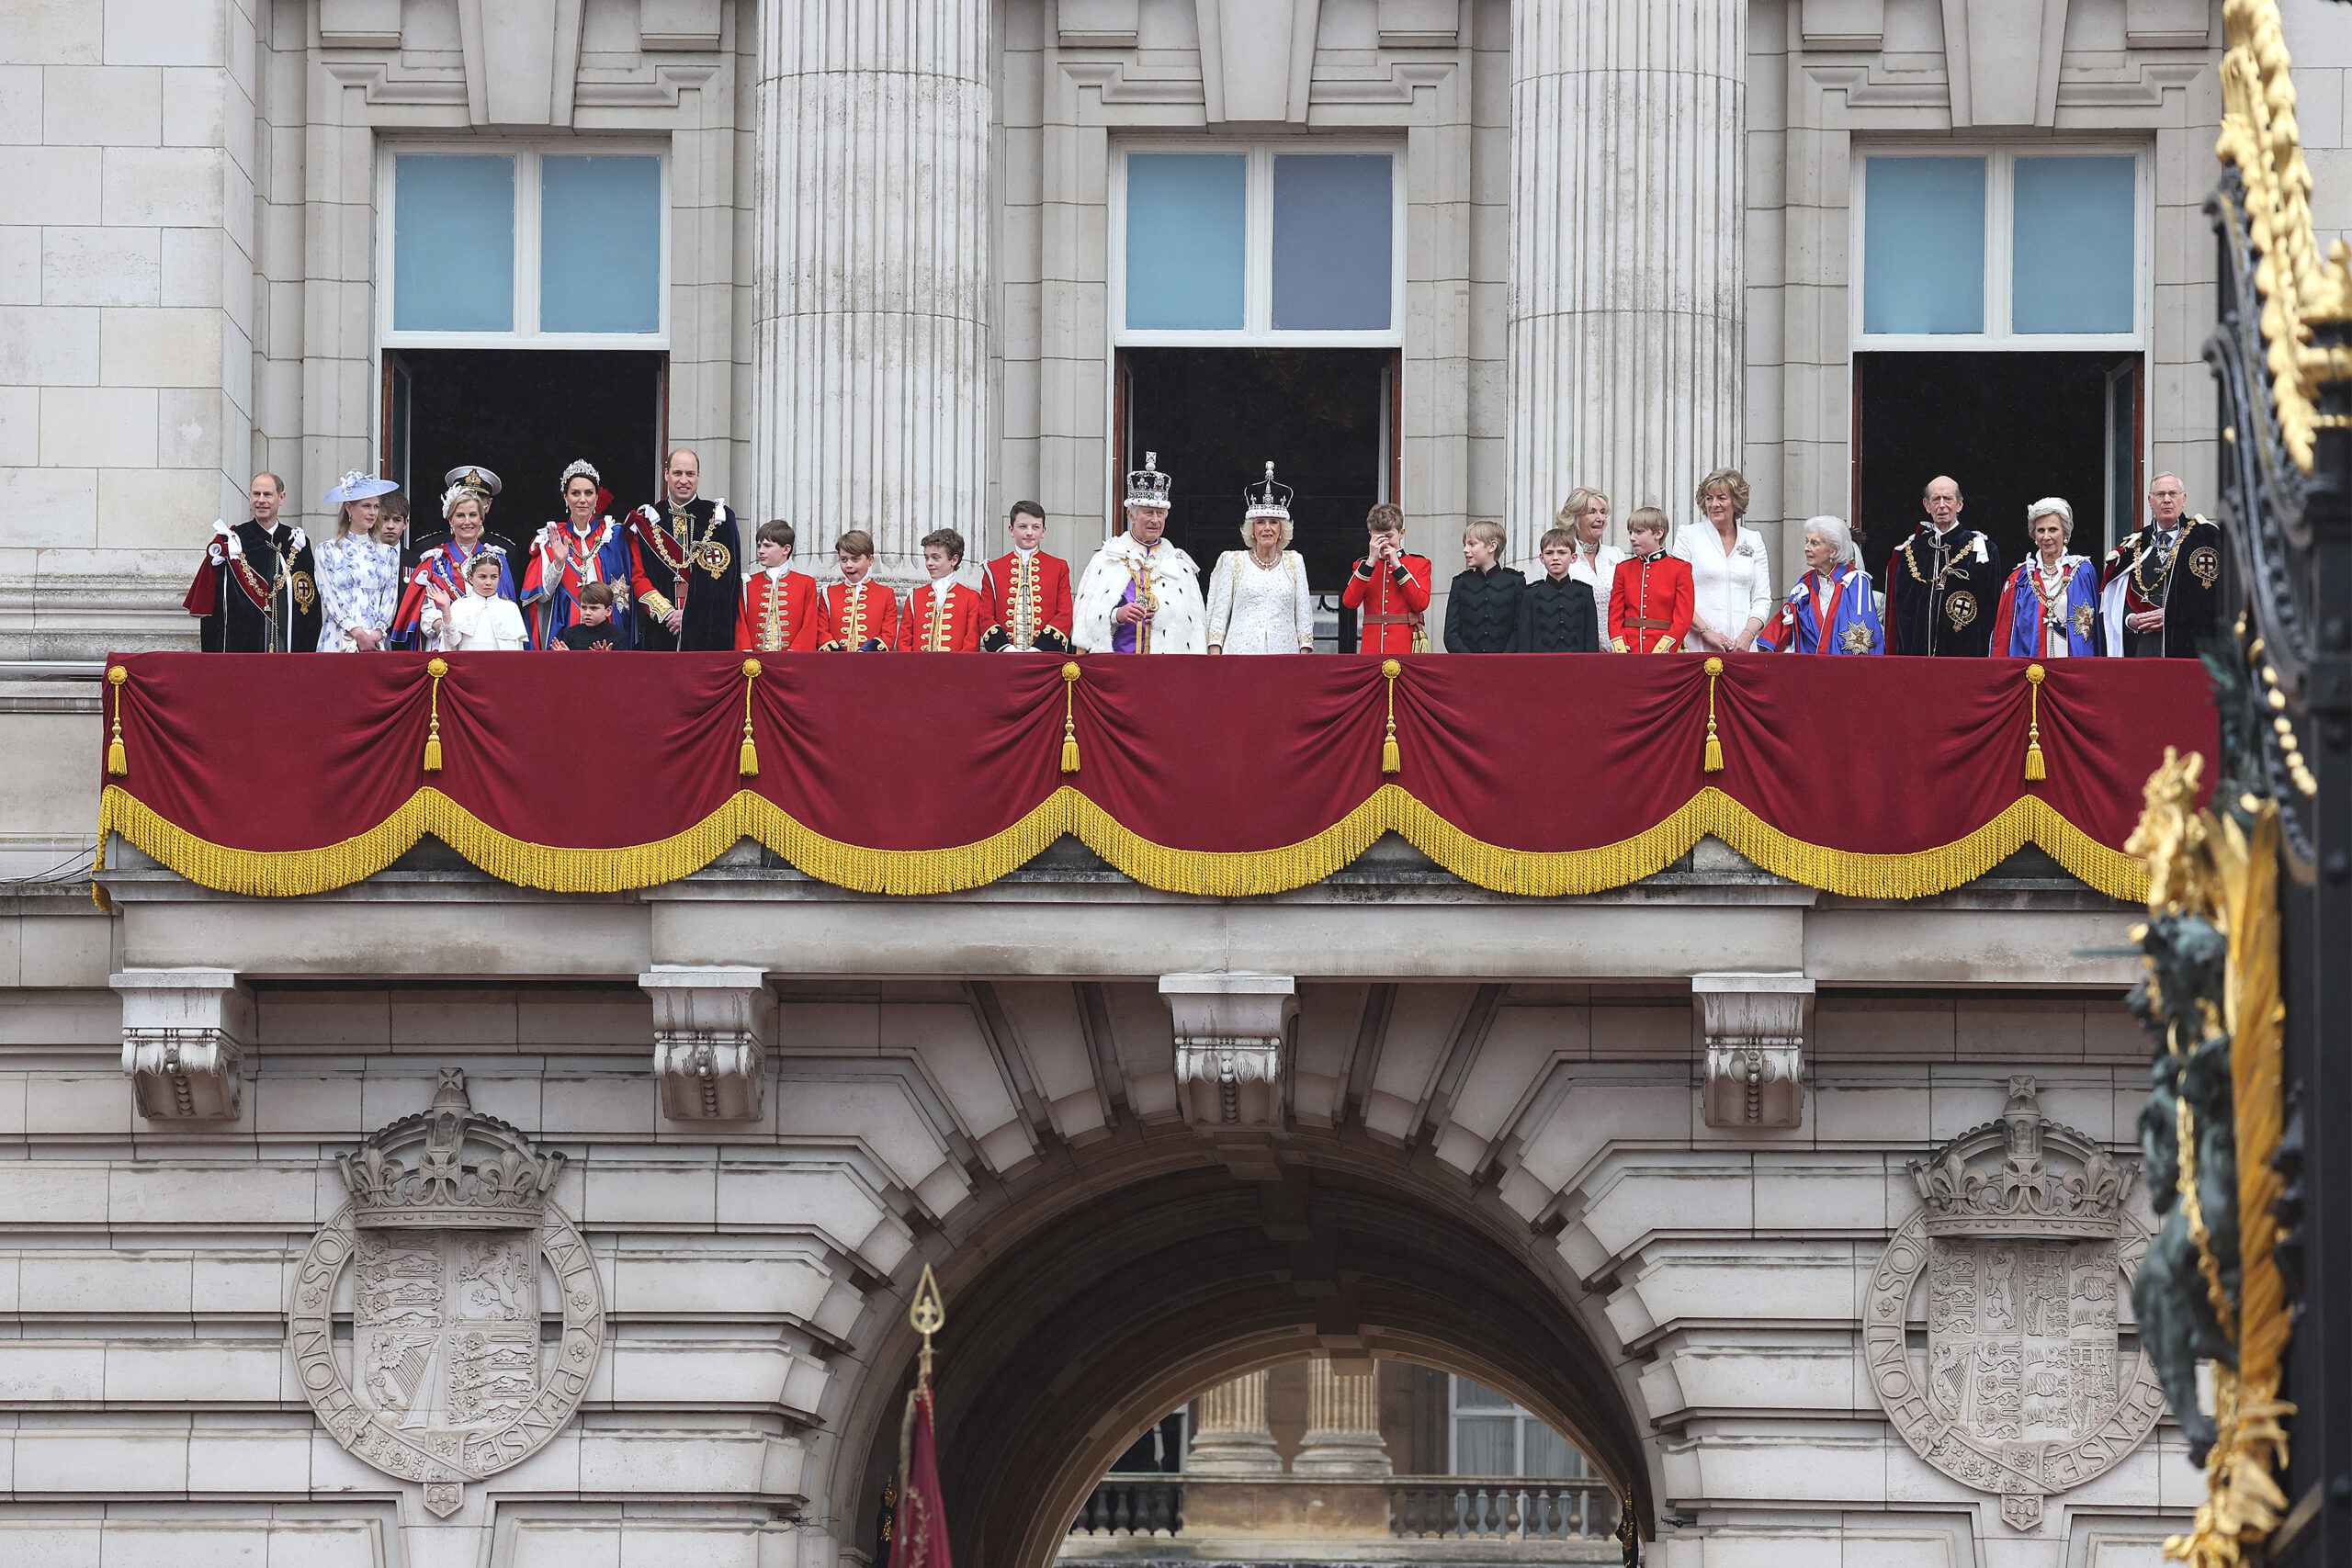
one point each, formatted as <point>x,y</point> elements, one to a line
<point>1140,594</point>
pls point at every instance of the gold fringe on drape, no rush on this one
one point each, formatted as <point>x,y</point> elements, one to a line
<point>1224,875</point>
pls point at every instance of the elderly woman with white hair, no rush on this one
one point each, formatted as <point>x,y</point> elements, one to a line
<point>2050,605</point>
<point>1833,608</point>
<point>1258,598</point>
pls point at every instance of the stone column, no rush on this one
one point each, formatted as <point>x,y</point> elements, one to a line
<point>1343,1422</point>
<point>1232,1438</point>
<point>873,206</point>
<point>1627,311</point>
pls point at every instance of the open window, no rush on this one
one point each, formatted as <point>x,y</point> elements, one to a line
<point>2000,330</point>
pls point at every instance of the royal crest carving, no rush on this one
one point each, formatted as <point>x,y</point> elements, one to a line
<point>2023,1389</point>
<point>458,1266</point>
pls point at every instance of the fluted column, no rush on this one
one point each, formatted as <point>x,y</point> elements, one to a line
<point>1627,308</point>
<point>872,319</point>
<point>1232,1438</point>
<point>1342,1423</point>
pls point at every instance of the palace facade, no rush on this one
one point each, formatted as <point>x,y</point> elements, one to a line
<point>1638,1163</point>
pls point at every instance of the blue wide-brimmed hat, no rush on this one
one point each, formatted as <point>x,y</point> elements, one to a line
<point>359,486</point>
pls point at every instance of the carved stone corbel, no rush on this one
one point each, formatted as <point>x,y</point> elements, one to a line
<point>709,1040</point>
<point>1231,1033</point>
<point>183,1038</point>
<point>1754,1029</point>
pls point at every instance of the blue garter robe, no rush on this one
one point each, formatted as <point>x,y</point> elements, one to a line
<point>1854,626</point>
<point>2017,632</point>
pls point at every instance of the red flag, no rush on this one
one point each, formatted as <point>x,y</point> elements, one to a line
<point>921,1537</point>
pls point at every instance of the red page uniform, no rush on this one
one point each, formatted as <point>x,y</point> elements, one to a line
<point>779,613</point>
<point>1027,603</point>
<point>858,617</point>
<point>1650,604</point>
<point>1393,599</point>
<point>943,617</point>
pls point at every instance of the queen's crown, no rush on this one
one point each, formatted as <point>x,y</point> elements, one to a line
<point>1266,498</point>
<point>504,1187</point>
<point>1966,1194</point>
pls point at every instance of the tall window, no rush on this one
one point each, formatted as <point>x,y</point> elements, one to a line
<point>1492,1437</point>
<point>1284,242</point>
<point>2041,249</point>
<point>523,248</point>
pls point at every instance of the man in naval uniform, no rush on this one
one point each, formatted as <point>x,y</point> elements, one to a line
<point>258,590</point>
<point>1943,585</point>
<point>688,575</point>
<point>1140,594</point>
<point>486,486</point>
<point>2161,589</point>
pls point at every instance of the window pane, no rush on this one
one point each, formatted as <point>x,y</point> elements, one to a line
<point>1549,1455</point>
<point>1482,1445</point>
<point>2076,221</point>
<point>1334,218</point>
<point>1923,245</point>
<point>453,244</point>
<point>1468,1395</point>
<point>1187,214</point>
<point>600,244</point>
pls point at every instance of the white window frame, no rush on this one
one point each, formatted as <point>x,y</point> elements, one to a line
<point>1257,246</point>
<point>1519,1415</point>
<point>2000,233</point>
<point>527,235</point>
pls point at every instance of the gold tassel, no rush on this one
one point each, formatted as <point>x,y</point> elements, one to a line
<point>436,669</point>
<point>2035,770</point>
<point>1070,718</point>
<point>1391,760</point>
<point>118,760</point>
<point>747,760</point>
<point>1712,762</point>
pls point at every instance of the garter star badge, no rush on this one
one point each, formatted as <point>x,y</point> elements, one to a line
<point>458,1364</point>
<point>2023,1389</point>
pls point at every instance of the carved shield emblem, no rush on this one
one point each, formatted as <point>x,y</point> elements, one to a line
<point>476,1315</point>
<point>2023,1388</point>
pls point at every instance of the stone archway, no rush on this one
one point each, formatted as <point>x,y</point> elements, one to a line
<point>1080,1316</point>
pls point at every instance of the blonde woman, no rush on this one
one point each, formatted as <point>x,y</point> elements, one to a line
<point>1731,580</point>
<point>358,576</point>
<point>1258,598</point>
<point>1585,514</point>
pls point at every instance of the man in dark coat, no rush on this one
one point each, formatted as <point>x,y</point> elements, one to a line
<point>1943,585</point>
<point>687,564</point>
<point>258,591</point>
<point>2161,589</point>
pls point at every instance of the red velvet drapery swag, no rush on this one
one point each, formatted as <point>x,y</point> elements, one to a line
<point>1528,774</point>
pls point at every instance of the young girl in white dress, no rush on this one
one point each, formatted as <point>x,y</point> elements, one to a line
<point>482,620</point>
<point>1257,597</point>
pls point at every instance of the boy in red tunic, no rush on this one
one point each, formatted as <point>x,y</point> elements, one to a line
<point>1651,600</point>
<point>779,612</point>
<point>943,616</point>
<point>1390,586</point>
<point>1025,594</point>
<point>856,615</point>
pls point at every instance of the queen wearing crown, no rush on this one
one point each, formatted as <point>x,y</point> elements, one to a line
<point>1258,598</point>
<point>1140,594</point>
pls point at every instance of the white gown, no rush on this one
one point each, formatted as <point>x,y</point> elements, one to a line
<point>1260,609</point>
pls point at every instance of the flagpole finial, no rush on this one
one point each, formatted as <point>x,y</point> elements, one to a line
<point>928,1315</point>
